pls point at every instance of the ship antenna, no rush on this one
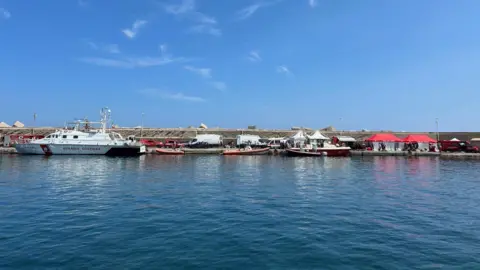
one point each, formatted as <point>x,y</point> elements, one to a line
<point>105,116</point>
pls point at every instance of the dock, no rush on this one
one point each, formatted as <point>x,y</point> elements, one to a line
<point>393,153</point>
<point>186,134</point>
<point>280,152</point>
<point>7,150</point>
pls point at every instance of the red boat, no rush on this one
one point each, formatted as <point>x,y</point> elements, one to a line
<point>162,151</point>
<point>238,152</point>
<point>325,152</point>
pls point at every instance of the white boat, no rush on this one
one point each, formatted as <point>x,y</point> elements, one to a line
<point>86,141</point>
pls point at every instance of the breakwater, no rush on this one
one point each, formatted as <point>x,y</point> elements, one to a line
<point>186,134</point>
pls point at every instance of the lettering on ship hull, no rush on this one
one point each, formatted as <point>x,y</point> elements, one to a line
<point>81,148</point>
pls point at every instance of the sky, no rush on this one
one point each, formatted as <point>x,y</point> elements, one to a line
<point>372,64</point>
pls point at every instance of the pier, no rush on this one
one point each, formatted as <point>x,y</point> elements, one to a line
<point>185,134</point>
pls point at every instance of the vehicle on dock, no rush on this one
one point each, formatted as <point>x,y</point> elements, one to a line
<point>206,141</point>
<point>82,139</point>
<point>457,146</point>
<point>276,143</point>
<point>250,140</point>
<point>173,144</point>
<point>151,143</point>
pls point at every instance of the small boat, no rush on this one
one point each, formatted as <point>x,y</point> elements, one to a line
<point>161,151</point>
<point>238,152</point>
<point>326,152</point>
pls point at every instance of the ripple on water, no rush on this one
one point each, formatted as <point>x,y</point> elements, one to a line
<point>239,212</point>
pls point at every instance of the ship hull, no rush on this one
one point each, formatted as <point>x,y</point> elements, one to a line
<point>321,152</point>
<point>71,149</point>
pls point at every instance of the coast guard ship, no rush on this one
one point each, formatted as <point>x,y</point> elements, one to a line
<point>88,141</point>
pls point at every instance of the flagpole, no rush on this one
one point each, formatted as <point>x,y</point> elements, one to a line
<point>34,123</point>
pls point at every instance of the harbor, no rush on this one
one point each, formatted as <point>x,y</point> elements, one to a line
<point>281,152</point>
<point>82,137</point>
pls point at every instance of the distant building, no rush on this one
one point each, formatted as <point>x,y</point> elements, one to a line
<point>4,125</point>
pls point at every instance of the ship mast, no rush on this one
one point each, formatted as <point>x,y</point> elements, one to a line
<point>105,117</point>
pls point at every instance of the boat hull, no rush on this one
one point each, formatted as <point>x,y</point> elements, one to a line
<point>321,152</point>
<point>169,152</point>
<point>70,149</point>
<point>263,151</point>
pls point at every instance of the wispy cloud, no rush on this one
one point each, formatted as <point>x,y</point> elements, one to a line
<point>248,11</point>
<point>5,14</point>
<point>156,93</point>
<point>219,85</point>
<point>312,3</point>
<point>120,61</point>
<point>283,69</point>
<point>110,48</point>
<point>254,56</point>
<point>203,23</point>
<point>207,29</point>
<point>133,31</point>
<point>82,3</point>
<point>185,7</point>
<point>131,62</point>
<point>163,48</point>
<point>204,72</point>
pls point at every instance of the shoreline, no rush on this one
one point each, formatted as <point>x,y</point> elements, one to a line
<point>354,153</point>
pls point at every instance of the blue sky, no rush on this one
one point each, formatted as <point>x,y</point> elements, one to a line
<point>371,64</point>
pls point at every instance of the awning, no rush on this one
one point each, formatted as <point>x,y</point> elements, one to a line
<point>419,138</point>
<point>346,139</point>
<point>384,137</point>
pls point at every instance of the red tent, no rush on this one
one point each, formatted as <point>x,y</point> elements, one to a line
<point>419,138</point>
<point>384,137</point>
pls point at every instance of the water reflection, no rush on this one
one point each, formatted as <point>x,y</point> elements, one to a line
<point>246,168</point>
<point>206,168</point>
<point>425,166</point>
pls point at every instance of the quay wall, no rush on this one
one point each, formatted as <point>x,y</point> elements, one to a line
<point>185,134</point>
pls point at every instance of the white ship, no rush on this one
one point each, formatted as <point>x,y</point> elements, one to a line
<point>81,139</point>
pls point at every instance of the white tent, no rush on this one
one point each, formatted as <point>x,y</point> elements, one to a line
<point>298,140</point>
<point>454,140</point>
<point>18,124</point>
<point>317,136</point>
<point>299,136</point>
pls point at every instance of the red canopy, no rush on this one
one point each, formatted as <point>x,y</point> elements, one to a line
<point>384,137</point>
<point>419,138</point>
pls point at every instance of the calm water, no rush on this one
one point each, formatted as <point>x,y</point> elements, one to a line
<point>216,212</point>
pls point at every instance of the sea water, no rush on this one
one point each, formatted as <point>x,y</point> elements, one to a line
<point>238,212</point>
